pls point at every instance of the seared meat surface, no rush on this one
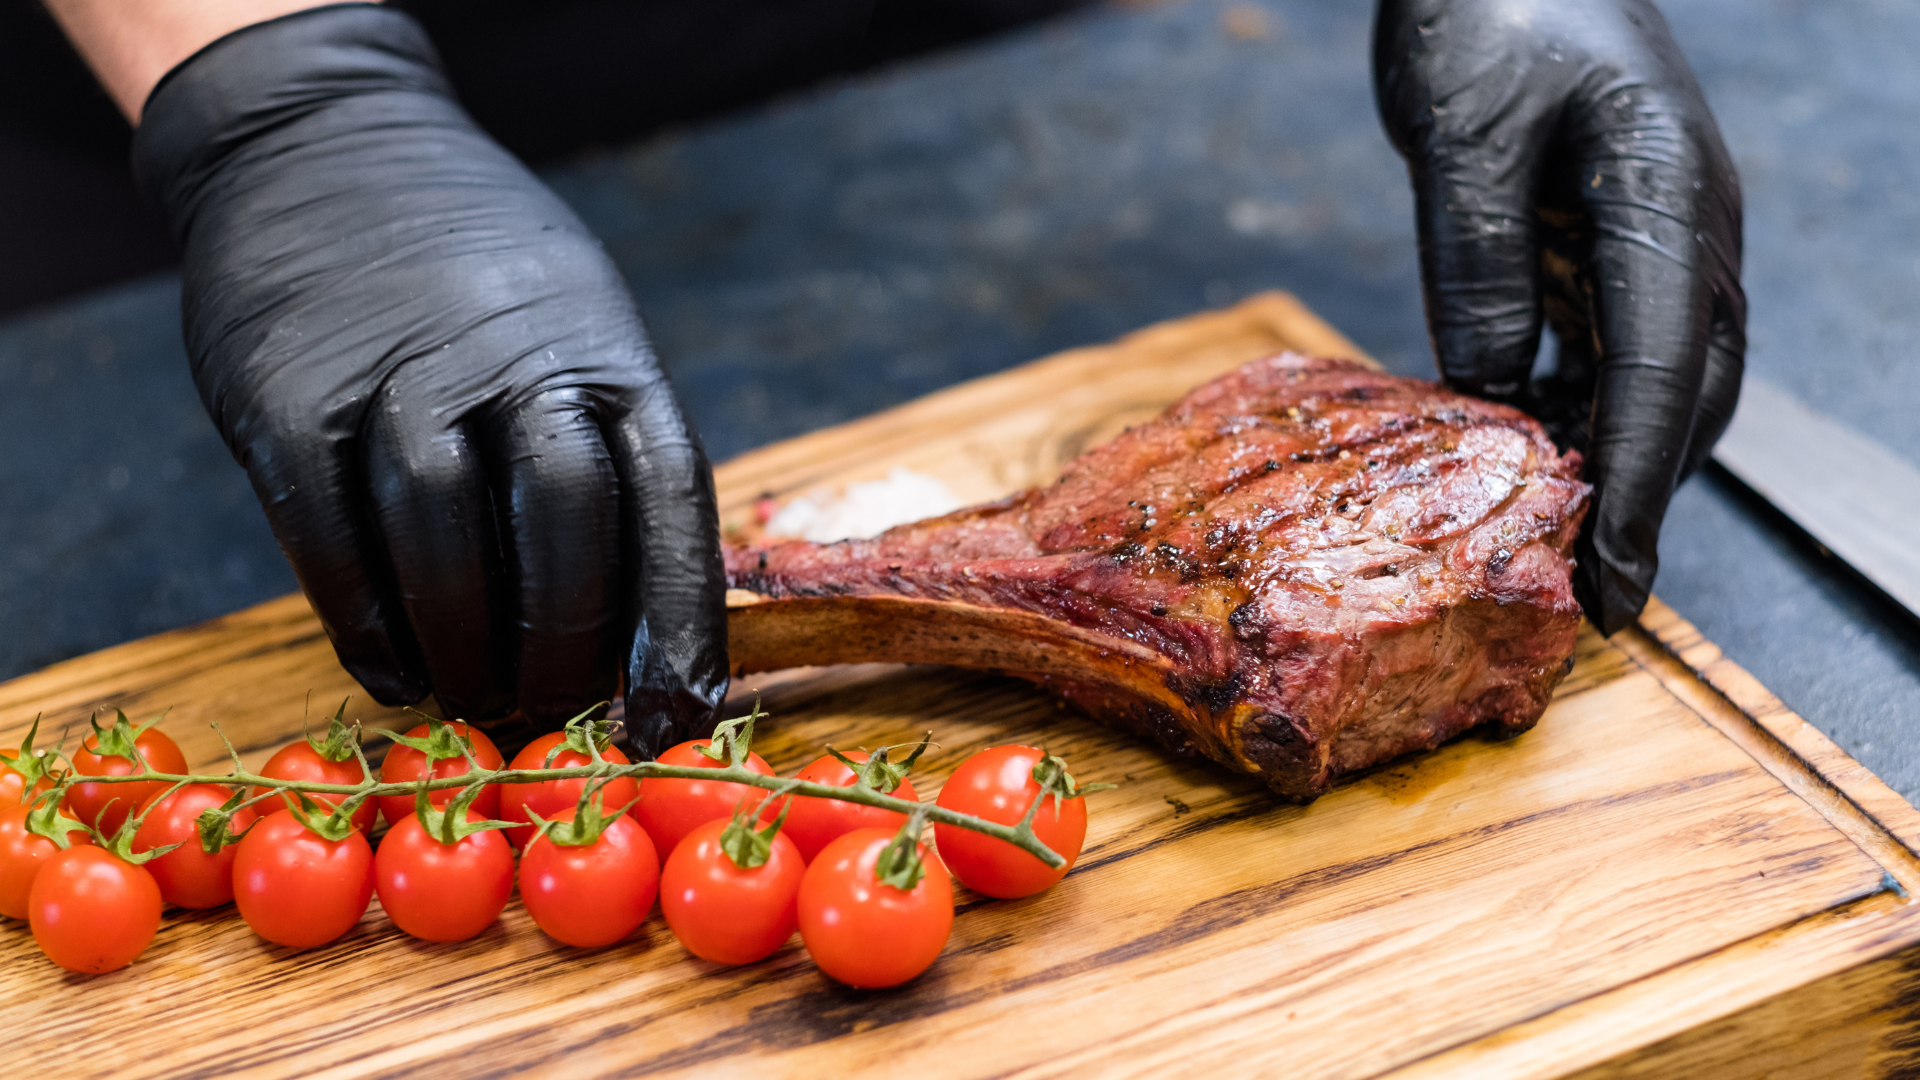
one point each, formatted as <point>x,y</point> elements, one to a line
<point>1303,568</point>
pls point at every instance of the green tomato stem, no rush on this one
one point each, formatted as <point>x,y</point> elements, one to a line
<point>1020,835</point>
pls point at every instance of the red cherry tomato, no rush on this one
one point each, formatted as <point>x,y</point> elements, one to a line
<point>595,894</point>
<point>300,761</point>
<point>297,888</point>
<point>671,808</point>
<point>22,854</point>
<point>726,913</point>
<point>442,892</point>
<point>106,806</point>
<point>552,796</point>
<point>13,785</point>
<point>92,912</point>
<point>812,824</point>
<point>405,765</point>
<point>998,785</point>
<point>188,877</point>
<point>864,932</point>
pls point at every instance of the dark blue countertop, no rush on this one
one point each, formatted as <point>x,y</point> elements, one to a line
<point>853,247</point>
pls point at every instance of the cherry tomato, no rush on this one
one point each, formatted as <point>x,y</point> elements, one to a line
<point>550,797</point>
<point>188,877</point>
<point>13,785</point>
<point>22,854</point>
<point>671,808</point>
<point>998,785</point>
<point>297,888</point>
<point>106,806</point>
<point>864,932</point>
<point>442,892</point>
<point>724,912</point>
<point>591,894</point>
<point>91,912</point>
<point>405,765</point>
<point>300,761</point>
<point>812,824</point>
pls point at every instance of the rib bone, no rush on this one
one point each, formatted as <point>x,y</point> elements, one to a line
<point>1303,568</point>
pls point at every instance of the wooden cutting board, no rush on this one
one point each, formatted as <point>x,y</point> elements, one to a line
<point>1672,876</point>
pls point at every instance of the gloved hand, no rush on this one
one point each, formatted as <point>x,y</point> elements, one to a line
<point>438,383</point>
<point>1564,161</point>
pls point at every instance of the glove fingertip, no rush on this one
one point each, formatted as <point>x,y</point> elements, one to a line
<point>670,699</point>
<point>1611,595</point>
<point>387,685</point>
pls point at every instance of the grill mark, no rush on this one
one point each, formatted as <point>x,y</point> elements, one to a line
<point>1409,425</point>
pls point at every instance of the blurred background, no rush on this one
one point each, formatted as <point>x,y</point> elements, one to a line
<point>548,78</point>
<point>826,207</point>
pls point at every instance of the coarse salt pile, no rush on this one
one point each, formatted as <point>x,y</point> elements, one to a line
<point>864,509</point>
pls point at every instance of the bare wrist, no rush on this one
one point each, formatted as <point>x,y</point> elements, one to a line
<point>132,44</point>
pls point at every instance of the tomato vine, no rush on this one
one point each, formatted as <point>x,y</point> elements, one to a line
<point>729,744</point>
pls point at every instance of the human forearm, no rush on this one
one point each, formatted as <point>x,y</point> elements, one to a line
<point>131,44</point>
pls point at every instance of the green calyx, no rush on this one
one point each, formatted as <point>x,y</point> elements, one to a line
<point>119,740</point>
<point>726,756</point>
<point>1056,782</point>
<point>585,734</point>
<point>747,847</point>
<point>732,739</point>
<point>46,820</point>
<point>877,772</point>
<point>215,823</point>
<point>32,765</point>
<point>441,742</point>
<point>450,825</point>
<point>340,741</point>
<point>321,817</point>
<point>120,844</point>
<point>900,864</point>
<point>590,819</point>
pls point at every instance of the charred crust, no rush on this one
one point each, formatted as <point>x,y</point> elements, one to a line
<point>1147,719</point>
<point>1169,557</point>
<point>1215,696</point>
<point>1241,618</point>
<point>1249,554</point>
<point>1283,752</point>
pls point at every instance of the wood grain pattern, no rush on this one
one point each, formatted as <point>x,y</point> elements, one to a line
<point>1859,1023</point>
<point>1668,865</point>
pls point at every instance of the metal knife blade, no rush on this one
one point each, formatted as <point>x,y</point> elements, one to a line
<point>1859,499</point>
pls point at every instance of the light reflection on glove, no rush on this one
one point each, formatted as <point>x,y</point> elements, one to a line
<point>438,384</point>
<point>1564,163</point>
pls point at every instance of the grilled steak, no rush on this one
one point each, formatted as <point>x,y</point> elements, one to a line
<point>1303,568</point>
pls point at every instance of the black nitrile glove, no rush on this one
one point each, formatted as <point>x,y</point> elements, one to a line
<point>438,383</point>
<point>1564,162</point>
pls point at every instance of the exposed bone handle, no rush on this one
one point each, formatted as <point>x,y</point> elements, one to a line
<point>765,634</point>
